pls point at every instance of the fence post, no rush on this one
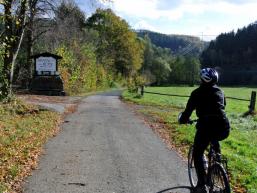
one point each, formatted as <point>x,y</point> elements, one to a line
<point>142,90</point>
<point>252,102</point>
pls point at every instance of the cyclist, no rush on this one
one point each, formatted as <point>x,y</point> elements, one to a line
<point>212,126</point>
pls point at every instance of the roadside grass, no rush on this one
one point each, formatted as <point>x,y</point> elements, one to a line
<point>23,130</point>
<point>241,146</point>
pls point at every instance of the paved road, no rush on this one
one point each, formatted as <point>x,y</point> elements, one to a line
<point>104,147</point>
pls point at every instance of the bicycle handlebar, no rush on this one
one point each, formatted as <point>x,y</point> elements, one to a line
<point>189,121</point>
<point>192,121</point>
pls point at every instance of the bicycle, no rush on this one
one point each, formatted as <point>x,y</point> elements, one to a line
<point>216,170</point>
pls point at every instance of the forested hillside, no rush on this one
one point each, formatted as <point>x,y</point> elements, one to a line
<point>235,55</point>
<point>179,44</point>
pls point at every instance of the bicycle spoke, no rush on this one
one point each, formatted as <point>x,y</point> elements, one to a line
<point>218,180</point>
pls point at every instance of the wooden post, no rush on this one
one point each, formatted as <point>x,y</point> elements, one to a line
<point>252,102</point>
<point>142,90</point>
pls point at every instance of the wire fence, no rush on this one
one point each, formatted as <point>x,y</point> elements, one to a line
<point>251,106</point>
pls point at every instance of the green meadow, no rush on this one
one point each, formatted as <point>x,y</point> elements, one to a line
<point>240,147</point>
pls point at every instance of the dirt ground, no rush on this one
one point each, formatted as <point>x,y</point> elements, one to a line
<point>61,104</point>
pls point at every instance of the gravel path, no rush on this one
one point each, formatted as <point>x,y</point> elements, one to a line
<point>104,147</point>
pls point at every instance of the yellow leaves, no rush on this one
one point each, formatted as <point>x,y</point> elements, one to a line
<point>18,22</point>
<point>78,67</point>
<point>65,76</point>
<point>120,38</point>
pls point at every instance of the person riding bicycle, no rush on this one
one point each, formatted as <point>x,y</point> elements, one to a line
<point>212,126</point>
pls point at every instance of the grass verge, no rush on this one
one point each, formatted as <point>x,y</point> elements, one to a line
<point>241,146</point>
<point>23,130</point>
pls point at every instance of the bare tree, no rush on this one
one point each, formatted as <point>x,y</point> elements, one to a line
<point>68,24</point>
<point>37,9</point>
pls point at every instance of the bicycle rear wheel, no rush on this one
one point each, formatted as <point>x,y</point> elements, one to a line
<point>191,168</point>
<point>218,179</point>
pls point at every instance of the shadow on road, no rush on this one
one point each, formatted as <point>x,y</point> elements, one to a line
<point>175,188</point>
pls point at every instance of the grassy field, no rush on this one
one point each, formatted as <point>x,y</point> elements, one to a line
<point>241,146</point>
<point>23,130</point>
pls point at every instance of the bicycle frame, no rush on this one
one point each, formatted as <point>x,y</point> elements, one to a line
<point>216,173</point>
<point>214,158</point>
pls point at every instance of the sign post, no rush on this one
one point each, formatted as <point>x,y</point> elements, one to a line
<point>46,79</point>
<point>252,102</point>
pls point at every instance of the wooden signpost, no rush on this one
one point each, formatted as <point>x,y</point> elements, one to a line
<point>46,78</point>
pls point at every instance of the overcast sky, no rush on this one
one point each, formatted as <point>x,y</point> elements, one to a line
<point>203,18</point>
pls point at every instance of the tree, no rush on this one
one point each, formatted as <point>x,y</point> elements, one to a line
<point>148,57</point>
<point>161,70</point>
<point>35,28</point>
<point>28,16</point>
<point>14,19</point>
<point>118,44</point>
<point>157,62</point>
<point>67,15</point>
<point>177,74</point>
<point>185,70</point>
<point>192,70</point>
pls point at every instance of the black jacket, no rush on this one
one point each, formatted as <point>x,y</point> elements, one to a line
<point>209,103</point>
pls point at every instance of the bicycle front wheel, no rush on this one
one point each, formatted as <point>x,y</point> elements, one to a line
<point>191,168</point>
<point>218,179</point>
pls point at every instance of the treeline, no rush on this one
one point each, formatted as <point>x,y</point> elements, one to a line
<point>161,67</point>
<point>178,44</point>
<point>234,54</point>
<point>99,51</point>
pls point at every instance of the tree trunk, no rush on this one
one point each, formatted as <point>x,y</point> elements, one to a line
<point>12,37</point>
<point>29,52</point>
<point>15,56</point>
<point>8,48</point>
<point>30,38</point>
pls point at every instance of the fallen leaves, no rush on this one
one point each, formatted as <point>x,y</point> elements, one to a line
<point>23,131</point>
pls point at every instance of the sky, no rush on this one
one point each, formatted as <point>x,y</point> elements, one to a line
<point>203,18</point>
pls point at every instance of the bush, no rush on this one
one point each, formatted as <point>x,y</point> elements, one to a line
<point>134,83</point>
<point>79,69</point>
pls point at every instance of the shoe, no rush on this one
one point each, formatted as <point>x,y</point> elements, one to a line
<point>201,189</point>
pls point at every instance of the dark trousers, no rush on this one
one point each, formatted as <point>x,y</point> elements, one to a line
<point>201,142</point>
<point>202,139</point>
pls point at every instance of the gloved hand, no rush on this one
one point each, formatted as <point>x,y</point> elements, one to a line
<point>182,119</point>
